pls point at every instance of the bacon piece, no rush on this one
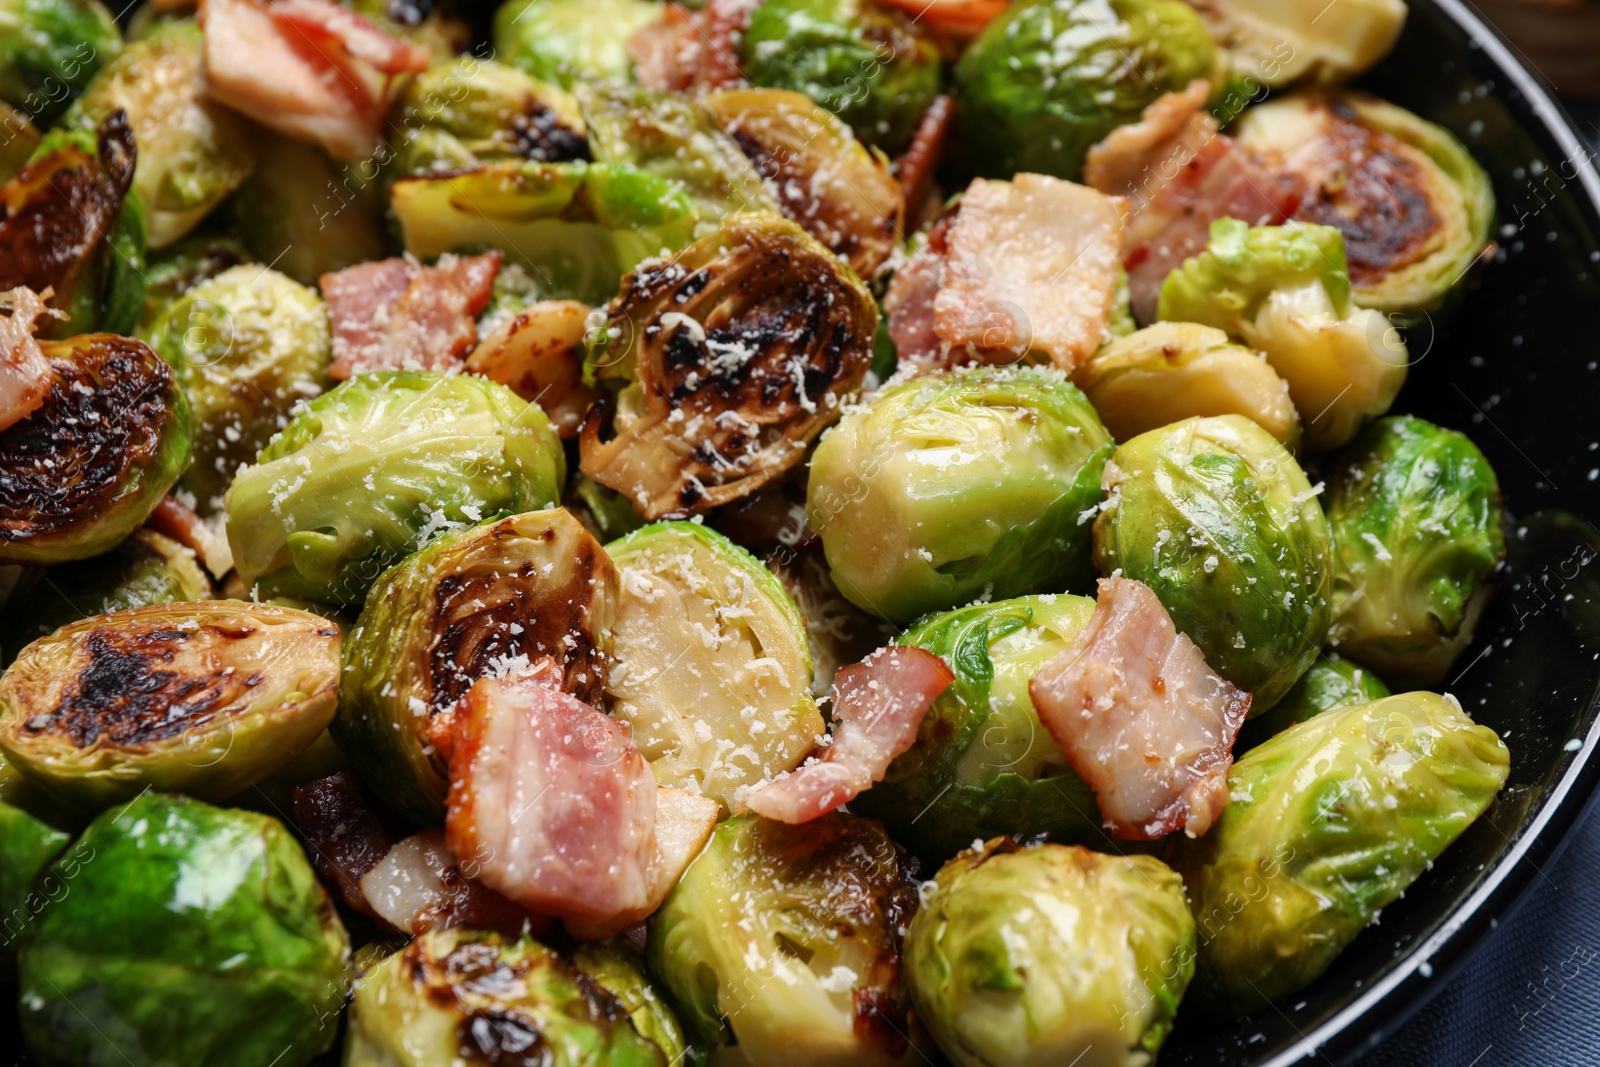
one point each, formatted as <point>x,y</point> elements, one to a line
<point>960,18</point>
<point>24,371</point>
<point>880,704</point>
<point>207,540</point>
<point>1141,717</point>
<point>909,303</point>
<point>666,53</point>
<point>538,354</point>
<point>345,839</point>
<point>309,69</point>
<point>921,158</point>
<point>394,313</point>
<point>725,23</point>
<point>419,885</point>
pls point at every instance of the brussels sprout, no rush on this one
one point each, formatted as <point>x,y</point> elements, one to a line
<point>180,267</point>
<point>1284,290</point>
<point>872,66</point>
<point>710,667</point>
<point>1219,521</point>
<point>564,40</point>
<point>27,847</point>
<point>740,351</point>
<point>959,485</point>
<point>192,936</point>
<point>982,764</point>
<point>1173,370</point>
<point>465,996</point>
<point>783,942</point>
<point>145,569</point>
<point>1414,206</point>
<point>193,151</point>
<point>1328,823</point>
<point>1330,682</point>
<point>474,111</point>
<point>368,472</point>
<point>531,587</point>
<point>620,970</point>
<point>1050,954</point>
<point>204,697</point>
<point>1275,42</point>
<point>1416,518</point>
<point>247,345</point>
<point>50,50</point>
<point>1049,78</point>
<point>86,469</point>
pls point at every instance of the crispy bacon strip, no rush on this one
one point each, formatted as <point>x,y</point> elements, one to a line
<point>1141,717</point>
<point>347,34</point>
<point>394,313</point>
<point>879,704</point>
<point>24,370</point>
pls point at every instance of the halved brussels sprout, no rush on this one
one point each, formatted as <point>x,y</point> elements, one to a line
<point>180,267</point>
<point>370,471</point>
<point>959,485</point>
<point>871,65</point>
<point>564,40</point>
<point>203,698</point>
<point>193,151</point>
<point>1330,682</point>
<point>222,950</point>
<point>145,569</point>
<point>1170,371</point>
<point>50,50</point>
<point>1049,78</point>
<point>1050,954</point>
<point>248,345</point>
<point>466,996</point>
<point>1221,523</point>
<point>982,764</point>
<point>1284,290</point>
<point>620,970</point>
<point>518,590</point>
<point>819,173</point>
<point>1415,208</point>
<point>1275,42</point>
<point>1416,518</point>
<point>710,667</point>
<point>1329,822</point>
<point>740,350</point>
<point>27,847</point>
<point>782,943</point>
<point>90,464</point>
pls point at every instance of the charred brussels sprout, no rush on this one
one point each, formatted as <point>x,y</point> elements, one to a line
<point>248,345</point>
<point>737,353</point>
<point>531,587</point>
<point>371,470</point>
<point>1329,822</point>
<point>1219,521</point>
<point>1416,518</point>
<point>203,698</point>
<point>1049,78</point>
<point>145,569</point>
<point>958,485</point>
<point>1414,206</point>
<point>50,50</point>
<point>982,764</point>
<point>709,667</point>
<point>465,996</point>
<point>193,936</point>
<point>1275,42</point>
<point>783,942</point>
<point>620,970</point>
<point>1050,954</point>
<point>564,40</point>
<point>872,66</point>
<point>1330,682</point>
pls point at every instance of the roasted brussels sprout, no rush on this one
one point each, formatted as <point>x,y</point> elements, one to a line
<point>531,587</point>
<point>370,471</point>
<point>871,65</point>
<point>1050,954</point>
<point>1330,682</point>
<point>1275,42</point>
<point>959,485</point>
<point>87,467</point>
<point>1219,520</point>
<point>214,911</point>
<point>710,667</point>
<point>1415,208</point>
<point>27,847</point>
<point>783,943</point>
<point>179,267</point>
<point>193,151</point>
<point>982,764</point>
<point>1329,822</point>
<point>50,50</point>
<point>621,971</point>
<point>1173,370</point>
<point>203,697</point>
<point>461,996</point>
<point>145,569</point>
<point>738,352</point>
<point>1416,518</point>
<point>564,40</point>
<point>1284,290</point>
<point>1049,78</point>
